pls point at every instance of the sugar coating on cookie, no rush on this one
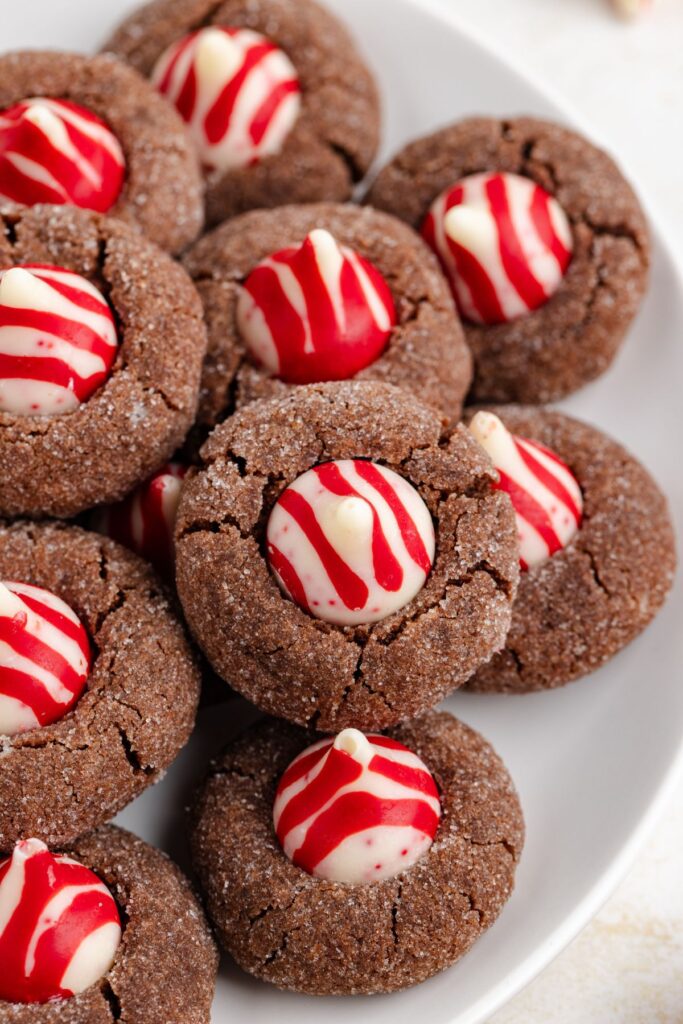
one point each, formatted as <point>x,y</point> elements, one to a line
<point>144,520</point>
<point>545,494</point>
<point>45,657</point>
<point>55,151</point>
<point>350,541</point>
<point>356,808</point>
<point>504,243</point>
<point>60,927</point>
<point>238,93</point>
<point>58,340</point>
<point>315,313</point>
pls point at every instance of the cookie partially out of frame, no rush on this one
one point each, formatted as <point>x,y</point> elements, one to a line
<point>328,938</point>
<point>302,668</point>
<point>162,189</point>
<point>579,607</point>
<point>574,336</point>
<point>140,701</point>
<point>426,354</point>
<point>165,968</point>
<point>60,465</point>
<point>335,136</point>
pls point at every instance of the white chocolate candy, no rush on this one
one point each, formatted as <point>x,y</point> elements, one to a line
<point>544,492</point>
<point>356,809</point>
<point>58,340</point>
<point>59,926</point>
<point>317,312</point>
<point>238,93</point>
<point>350,541</point>
<point>504,243</point>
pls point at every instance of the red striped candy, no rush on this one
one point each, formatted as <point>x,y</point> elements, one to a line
<point>356,809</point>
<point>504,244</point>
<point>319,312</point>
<point>44,658</point>
<point>144,521</point>
<point>58,340</point>
<point>350,541</point>
<point>59,926</point>
<point>238,93</point>
<point>544,492</point>
<point>54,151</point>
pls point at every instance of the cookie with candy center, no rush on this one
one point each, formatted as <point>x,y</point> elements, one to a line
<point>350,541</point>
<point>543,240</point>
<point>317,312</point>
<point>342,557</point>
<point>356,808</point>
<point>88,132</point>
<point>45,657</point>
<point>144,521</point>
<point>54,151</point>
<point>371,930</point>
<point>599,543</point>
<point>504,243</point>
<point>237,92</point>
<point>60,927</point>
<point>58,340</point>
<point>279,103</point>
<point>544,492</point>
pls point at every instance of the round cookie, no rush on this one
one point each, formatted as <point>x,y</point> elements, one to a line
<point>277,655</point>
<point>574,336</point>
<point>162,188</point>
<point>426,354</point>
<point>335,137</point>
<point>577,608</point>
<point>139,705</point>
<point>62,464</point>
<point>328,938</point>
<point>166,965</point>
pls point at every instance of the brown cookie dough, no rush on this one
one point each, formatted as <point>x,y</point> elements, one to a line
<point>582,605</point>
<point>165,968</point>
<point>575,335</point>
<point>307,670</point>
<point>139,705</point>
<point>427,353</point>
<point>162,191</point>
<point>335,137</point>
<point>60,465</point>
<point>327,938</point>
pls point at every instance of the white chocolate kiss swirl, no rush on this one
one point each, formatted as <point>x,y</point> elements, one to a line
<point>59,925</point>
<point>544,492</point>
<point>504,242</point>
<point>356,809</point>
<point>245,96</point>
<point>44,657</point>
<point>58,340</point>
<point>350,541</point>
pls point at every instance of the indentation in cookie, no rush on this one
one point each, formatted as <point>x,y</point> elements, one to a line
<point>238,93</point>
<point>56,151</point>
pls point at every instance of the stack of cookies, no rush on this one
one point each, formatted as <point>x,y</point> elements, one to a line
<point>304,453</point>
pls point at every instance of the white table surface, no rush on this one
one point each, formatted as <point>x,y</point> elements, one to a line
<point>626,80</point>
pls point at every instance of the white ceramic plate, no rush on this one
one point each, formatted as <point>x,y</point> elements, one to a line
<point>592,762</point>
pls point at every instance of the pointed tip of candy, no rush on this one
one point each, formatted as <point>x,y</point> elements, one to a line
<point>217,54</point>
